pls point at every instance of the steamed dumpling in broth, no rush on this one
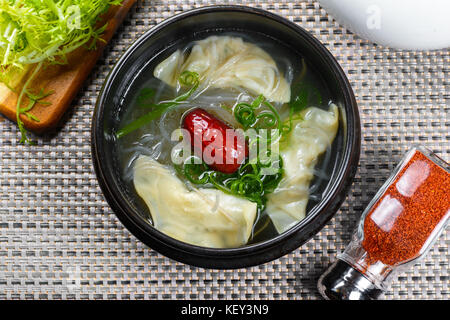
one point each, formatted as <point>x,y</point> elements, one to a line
<point>309,138</point>
<point>233,84</point>
<point>228,62</point>
<point>204,217</point>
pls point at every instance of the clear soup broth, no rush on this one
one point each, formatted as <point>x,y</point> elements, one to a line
<point>307,90</point>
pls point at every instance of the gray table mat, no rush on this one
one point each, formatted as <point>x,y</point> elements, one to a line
<point>60,240</point>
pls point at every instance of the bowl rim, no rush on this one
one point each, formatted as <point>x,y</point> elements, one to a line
<point>221,258</point>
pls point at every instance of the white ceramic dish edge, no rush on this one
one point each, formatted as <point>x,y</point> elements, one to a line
<point>401,24</point>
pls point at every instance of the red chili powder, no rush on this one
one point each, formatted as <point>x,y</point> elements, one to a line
<point>401,221</point>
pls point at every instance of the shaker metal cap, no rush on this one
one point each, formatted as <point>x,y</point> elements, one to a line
<point>343,282</point>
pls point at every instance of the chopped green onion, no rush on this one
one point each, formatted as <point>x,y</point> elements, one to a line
<point>186,78</point>
<point>145,96</point>
<point>245,114</point>
<point>248,182</point>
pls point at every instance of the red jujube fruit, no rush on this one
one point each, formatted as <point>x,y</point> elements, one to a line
<point>207,133</point>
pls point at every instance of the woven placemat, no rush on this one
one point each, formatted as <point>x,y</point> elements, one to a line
<point>60,240</point>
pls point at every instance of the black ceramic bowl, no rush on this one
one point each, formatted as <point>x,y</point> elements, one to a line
<point>202,21</point>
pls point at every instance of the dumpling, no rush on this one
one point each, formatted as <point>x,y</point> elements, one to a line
<point>203,217</point>
<point>308,139</point>
<point>226,62</point>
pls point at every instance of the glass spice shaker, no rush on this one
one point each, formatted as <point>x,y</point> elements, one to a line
<point>396,230</point>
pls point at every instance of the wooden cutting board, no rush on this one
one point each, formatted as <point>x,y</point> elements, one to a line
<point>64,80</point>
